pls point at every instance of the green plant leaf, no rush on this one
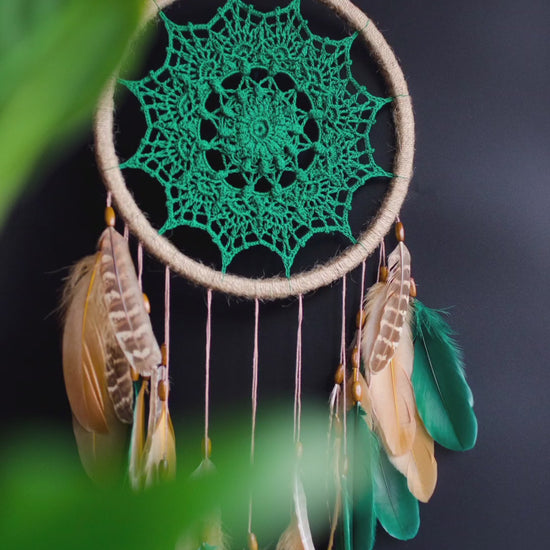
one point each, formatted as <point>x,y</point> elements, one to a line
<point>55,57</point>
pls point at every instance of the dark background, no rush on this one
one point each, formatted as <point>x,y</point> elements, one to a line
<point>477,227</point>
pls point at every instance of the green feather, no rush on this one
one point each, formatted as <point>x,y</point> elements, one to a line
<point>347,514</point>
<point>364,452</point>
<point>396,508</point>
<point>444,399</point>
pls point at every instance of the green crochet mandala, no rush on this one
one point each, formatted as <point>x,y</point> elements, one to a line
<point>257,130</point>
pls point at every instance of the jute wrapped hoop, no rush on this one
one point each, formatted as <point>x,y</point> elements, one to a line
<point>276,287</point>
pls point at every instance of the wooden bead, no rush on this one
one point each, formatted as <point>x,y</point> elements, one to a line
<point>206,446</point>
<point>383,274</point>
<point>356,392</point>
<point>252,542</point>
<point>163,390</point>
<point>355,357</point>
<point>339,376</point>
<point>147,303</point>
<point>135,374</point>
<point>164,354</point>
<point>361,318</point>
<point>110,216</point>
<point>412,292</point>
<point>399,232</point>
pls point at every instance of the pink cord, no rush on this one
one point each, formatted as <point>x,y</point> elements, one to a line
<point>362,305</point>
<point>109,200</point>
<point>298,376</point>
<point>207,371</point>
<point>126,232</point>
<point>343,360</point>
<point>167,315</point>
<point>255,362</point>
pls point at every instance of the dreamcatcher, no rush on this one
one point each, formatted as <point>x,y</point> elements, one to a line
<point>260,136</point>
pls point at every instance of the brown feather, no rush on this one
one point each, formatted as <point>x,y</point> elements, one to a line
<point>394,311</point>
<point>119,380</point>
<point>125,306</point>
<point>85,320</point>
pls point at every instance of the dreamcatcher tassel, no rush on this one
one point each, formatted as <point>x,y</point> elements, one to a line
<point>159,455</point>
<point>107,333</point>
<point>297,536</point>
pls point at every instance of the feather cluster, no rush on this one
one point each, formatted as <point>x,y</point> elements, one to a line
<point>107,336</point>
<point>409,391</point>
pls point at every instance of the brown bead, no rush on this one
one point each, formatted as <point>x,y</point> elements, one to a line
<point>147,303</point>
<point>412,292</point>
<point>399,232</point>
<point>206,446</point>
<point>110,216</point>
<point>135,374</point>
<point>361,318</point>
<point>339,376</point>
<point>164,354</point>
<point>383,274</point>
<point>355,357</point>
<point>252,542</point>
<point>356,392</point>
<point>163,390</point>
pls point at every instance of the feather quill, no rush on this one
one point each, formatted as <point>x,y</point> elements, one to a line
<point>125,307</point>
<point>160,447</point>
<point>392,398</point>
<point>419,465</point>
<point>444,399</point>
<point>388,322</point>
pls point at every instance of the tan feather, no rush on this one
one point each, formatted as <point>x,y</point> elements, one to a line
<point>84,367</point>
<point>160,446</point>
<point>392,397</point>
<point>103,455</point>
<point>297,535</point>
<point>419,465</point>
<point>394,311</point>
<point>125,306</point>
<point>137,441</point>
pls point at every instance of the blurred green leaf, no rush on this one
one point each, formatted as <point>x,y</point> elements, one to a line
<point>48,503</point>
<point>55,57</point>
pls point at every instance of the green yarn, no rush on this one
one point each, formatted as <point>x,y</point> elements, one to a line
<point>257,130</point>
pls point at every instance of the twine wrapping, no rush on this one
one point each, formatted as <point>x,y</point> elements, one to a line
<point>307,281</point>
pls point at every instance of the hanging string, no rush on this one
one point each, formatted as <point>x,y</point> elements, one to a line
<point>298,374</point>
<point>255,362</point>
<point>361,313</point>
<point>343,361</point>
<point>140,265</point>
<point>109,201</point>
<point>126,231</point>
<point>207,372</point>
<point>167,316</point>
<point>381,259</point>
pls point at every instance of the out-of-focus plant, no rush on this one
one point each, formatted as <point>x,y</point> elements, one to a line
<point>55,56</point>
<point>48,503</point>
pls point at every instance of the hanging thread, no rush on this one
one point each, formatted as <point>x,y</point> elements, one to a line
<point>255,362</point>
<point>167,316</point>
<point>140,265</point>
<point>298,374</point>
<point>343,361</point>
<point>207,372</point>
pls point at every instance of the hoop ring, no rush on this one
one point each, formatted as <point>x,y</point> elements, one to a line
<point>307,281</point>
